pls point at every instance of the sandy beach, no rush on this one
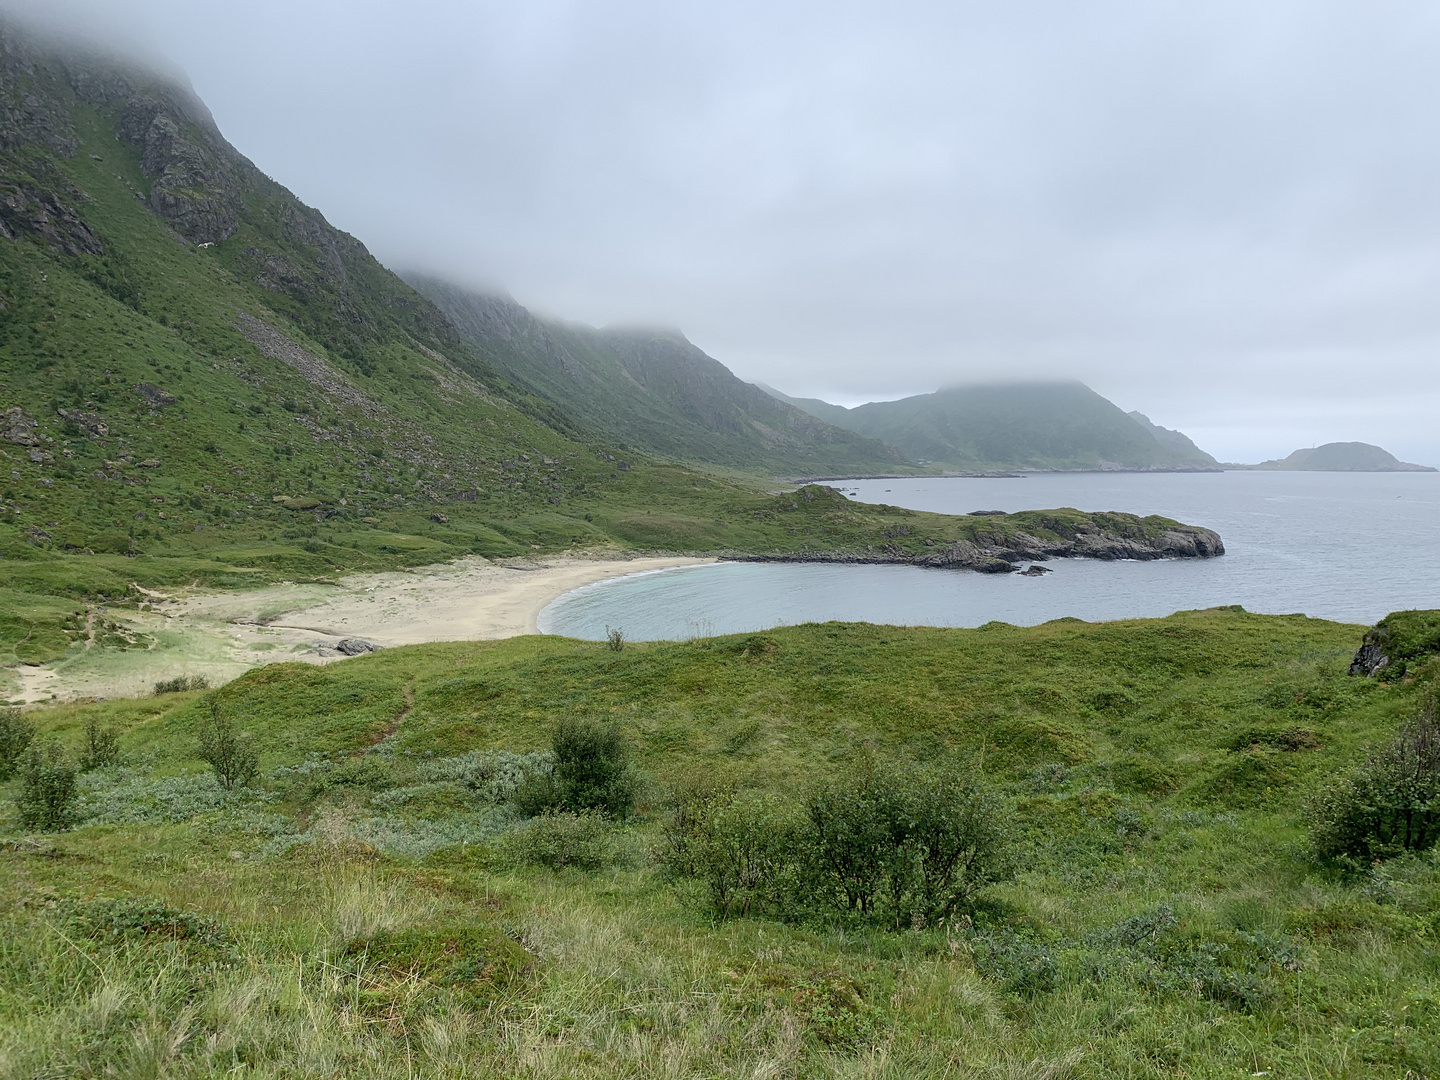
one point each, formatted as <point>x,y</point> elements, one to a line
<point>220,635</point>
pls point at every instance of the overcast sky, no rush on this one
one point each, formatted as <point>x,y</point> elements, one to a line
<point>1226,215</point>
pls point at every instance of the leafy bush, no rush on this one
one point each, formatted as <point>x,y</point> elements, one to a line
<point>181,683</point>
<point>229,752</point>
<point>909,845</point>
<point>48,791</point>
<point>585,841</point>
<point>1387,806</point>
<point>900,846</point>
<point>748,850</point>
<point>592,771</point>
<point>102,746</point>
<point>614,639</point>
<point>16,734</point>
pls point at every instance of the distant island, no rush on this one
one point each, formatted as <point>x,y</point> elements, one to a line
<point>1339,457</point>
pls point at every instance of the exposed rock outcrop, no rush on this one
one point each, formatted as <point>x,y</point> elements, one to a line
<point>277,346</point>
<point>154,394</point>
<point>1369,659</point>
<point>18,427</point>
<point>1397,643</point>
<point>27,210</point>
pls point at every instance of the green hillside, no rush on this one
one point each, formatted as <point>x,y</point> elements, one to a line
<point>1176,441</point>
<point>375,905</point>
<point>1039,426</point>
<point>653,391</point>
<point>831,414</point>
<point>1342,457</point>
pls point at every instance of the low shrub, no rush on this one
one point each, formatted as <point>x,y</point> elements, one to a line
<point>1022,967</point>
<point>16,734</point>
<point>909,846</point>
<point>748,849</point>
<point>899,846</point>
<point>365,772</point>
<point>229,752</point>
<point>102,746</point>
<point>493,776</point>
<point>117,798</point>
<point>47,800</point>
<point>1389,805</point>
<point>585,841</point>
<point>115,921</point>
<point>591,772</point>
<point>181,683</point>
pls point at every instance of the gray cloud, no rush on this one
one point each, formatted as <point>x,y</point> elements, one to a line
<point>1221,214</point>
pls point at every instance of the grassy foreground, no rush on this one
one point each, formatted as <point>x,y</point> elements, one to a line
<point>356,914</point>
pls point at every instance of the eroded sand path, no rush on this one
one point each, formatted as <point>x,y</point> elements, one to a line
<point>221,635</point>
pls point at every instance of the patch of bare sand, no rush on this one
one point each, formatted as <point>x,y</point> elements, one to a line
<point>221,635</point>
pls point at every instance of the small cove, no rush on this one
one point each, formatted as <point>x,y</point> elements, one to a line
<point>1343,546</point>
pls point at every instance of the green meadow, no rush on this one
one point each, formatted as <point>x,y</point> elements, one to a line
<point>369,907</point>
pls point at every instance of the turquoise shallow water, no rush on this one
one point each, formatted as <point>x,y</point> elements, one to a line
<point>1350,547</point>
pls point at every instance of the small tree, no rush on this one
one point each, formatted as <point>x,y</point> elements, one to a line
<point>592,772</point>
<point>102,746</point>
<point>47,793</point>
<point>614,639</point>
<point>905,844</point>
<point>16,734</point>
<point>748,849</point>
<point>229,752</point>
<point>1389,805</point>
<point>854,829</point>
<point>955,843</point>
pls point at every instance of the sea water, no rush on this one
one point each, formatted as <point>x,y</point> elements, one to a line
<point>1343,546</point>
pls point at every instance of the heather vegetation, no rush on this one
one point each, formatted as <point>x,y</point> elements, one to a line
<point>827,850</point>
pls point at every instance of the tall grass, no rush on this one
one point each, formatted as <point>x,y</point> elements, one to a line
<point>370,917</point>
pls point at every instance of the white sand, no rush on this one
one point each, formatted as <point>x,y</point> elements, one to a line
<point>221,635</point>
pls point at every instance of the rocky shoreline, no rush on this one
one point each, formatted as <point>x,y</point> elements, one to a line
<point>1000,556</point>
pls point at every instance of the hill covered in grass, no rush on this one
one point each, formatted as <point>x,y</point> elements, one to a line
<point>373,905</point>
<point>1342,457</point>
<point>653,391</point>
<point>1022,426</point>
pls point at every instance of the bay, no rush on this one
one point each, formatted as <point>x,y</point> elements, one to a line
<point>1344,546</point>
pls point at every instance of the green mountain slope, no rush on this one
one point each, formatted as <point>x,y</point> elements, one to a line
<point>833,414</point>
<point>1041,426</point>
<point>652,390</point>
<point>1343,457</point>
<point>1176,441</point>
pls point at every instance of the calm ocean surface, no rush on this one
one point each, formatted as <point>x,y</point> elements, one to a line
<point>1342,546</point>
